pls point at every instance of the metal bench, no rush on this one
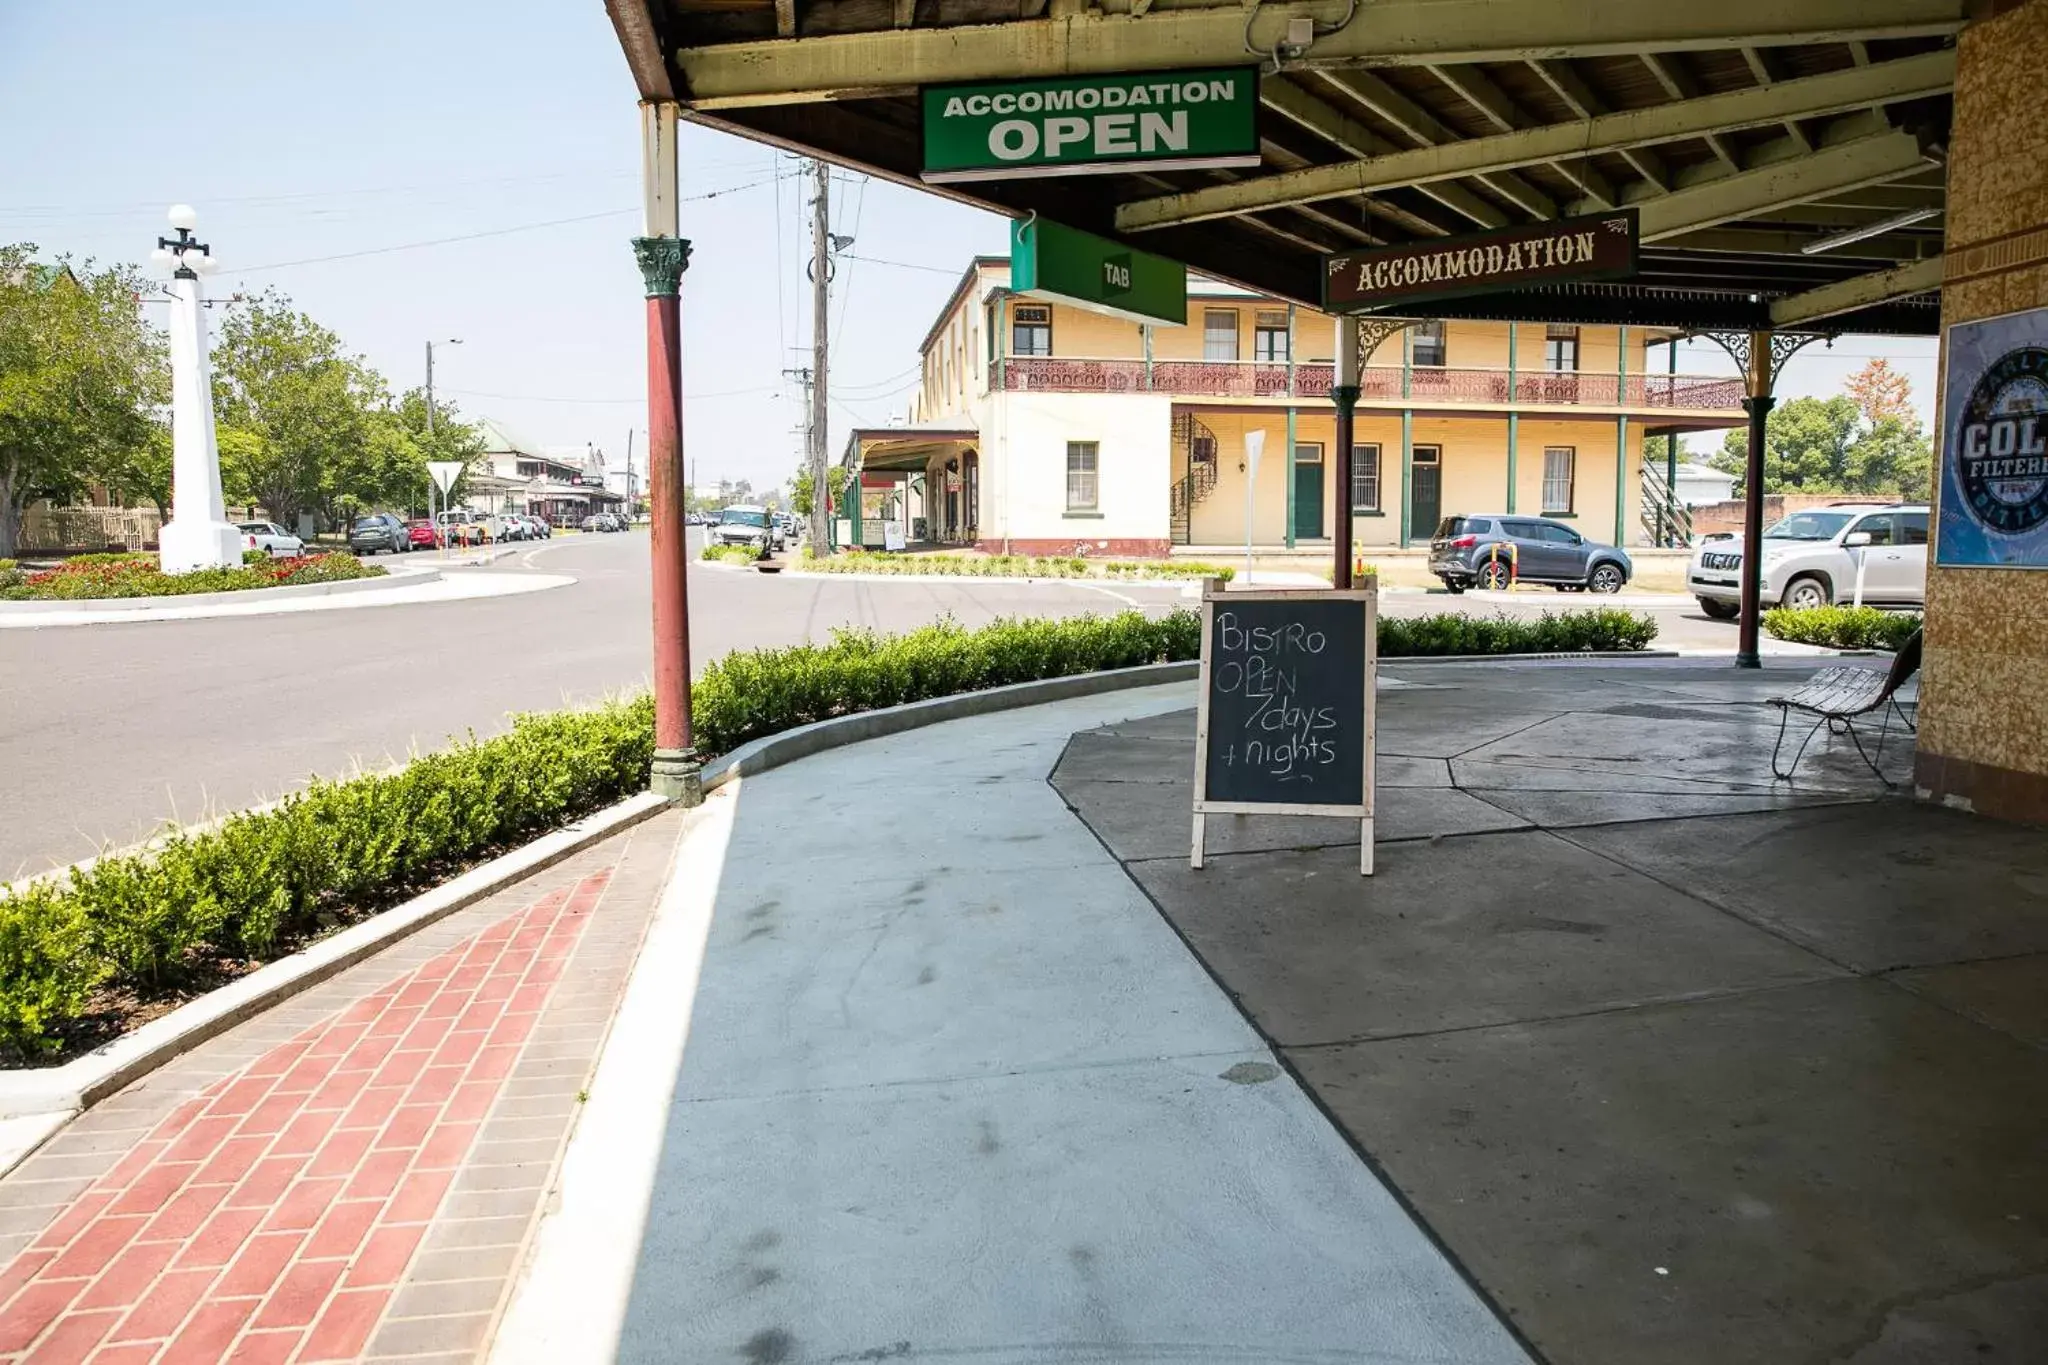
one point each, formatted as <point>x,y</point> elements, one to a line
<point>1838,697</point>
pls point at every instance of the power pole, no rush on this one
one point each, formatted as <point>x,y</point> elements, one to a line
<point>430,388</point>
<point>821,291</point>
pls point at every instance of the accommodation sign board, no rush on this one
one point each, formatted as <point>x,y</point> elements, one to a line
<point>1286,714</point>
<point>1993,510</point>
<point>1048,260</point>
<point>1599,247</point>
<point>1091,125</point>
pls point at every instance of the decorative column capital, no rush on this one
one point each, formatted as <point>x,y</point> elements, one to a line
<point>1345,396</point>
<point>662,261</point>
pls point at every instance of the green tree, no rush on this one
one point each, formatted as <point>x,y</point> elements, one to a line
<point>1893,455</point>
<point>1825,445</point>
<point>451,438</point>
<point>297,415</point>
<point>800,488</point>
<point>80,372</point>
<point>140,470</point>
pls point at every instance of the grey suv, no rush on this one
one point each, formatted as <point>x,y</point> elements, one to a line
<point>1472,551</point>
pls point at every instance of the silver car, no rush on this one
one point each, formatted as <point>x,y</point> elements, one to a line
<point>1812,558</point>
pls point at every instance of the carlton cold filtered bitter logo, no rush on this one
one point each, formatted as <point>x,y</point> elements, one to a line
<point>2002,455</point>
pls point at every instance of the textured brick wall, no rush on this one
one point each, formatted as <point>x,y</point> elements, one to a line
<point>1984,712</point>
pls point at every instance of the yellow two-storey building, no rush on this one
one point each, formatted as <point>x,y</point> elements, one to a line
<point>1046,427</point>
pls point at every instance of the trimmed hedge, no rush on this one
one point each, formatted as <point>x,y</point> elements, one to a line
<point>1601,630</point>
<point>151,921</point>
<point>1842,627</point>
<point>730,554</point>
<point>1011,566</point>
<point>757,692</point>
<point>84,577</point>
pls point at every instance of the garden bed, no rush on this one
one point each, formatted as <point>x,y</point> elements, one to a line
<point>1842,627</point>
<point>87,578</point>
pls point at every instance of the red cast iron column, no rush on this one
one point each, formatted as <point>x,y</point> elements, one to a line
<point>662,262</point>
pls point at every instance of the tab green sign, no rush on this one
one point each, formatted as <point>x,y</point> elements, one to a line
<point>1091,125</point>
<point>1049,260</point>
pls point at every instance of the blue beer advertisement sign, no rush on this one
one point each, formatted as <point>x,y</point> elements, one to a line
<point>1994,449</point>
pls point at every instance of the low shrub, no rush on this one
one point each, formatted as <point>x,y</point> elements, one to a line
<point>1842,627</point>
<point>150,919</point>
<point>1011,566</point>
<point>1602,630</point>
<point>84,577</point>
<point>759,692</point>
<point>731,554</point>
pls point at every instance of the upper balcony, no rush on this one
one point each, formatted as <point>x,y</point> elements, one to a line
<point>1382,385</point>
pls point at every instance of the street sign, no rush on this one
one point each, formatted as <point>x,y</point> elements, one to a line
<point>1091,125</point>
<point>1600,247</point>
<point>445,473</point>
<point>1048,260</point>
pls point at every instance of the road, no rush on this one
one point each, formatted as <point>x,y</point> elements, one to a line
<point>108,730</point>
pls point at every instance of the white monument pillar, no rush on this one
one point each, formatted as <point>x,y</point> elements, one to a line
<point>198,535</point>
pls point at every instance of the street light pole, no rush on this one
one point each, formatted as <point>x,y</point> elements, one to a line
<point>451,341</point>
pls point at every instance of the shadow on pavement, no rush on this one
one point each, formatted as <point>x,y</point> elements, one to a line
<point>1680,1063</point>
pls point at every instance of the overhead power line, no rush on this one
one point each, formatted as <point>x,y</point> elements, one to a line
<point>488,232</point>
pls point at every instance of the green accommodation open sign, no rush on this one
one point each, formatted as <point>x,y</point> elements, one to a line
<point>1047,259</point>
<point>1090,125</point>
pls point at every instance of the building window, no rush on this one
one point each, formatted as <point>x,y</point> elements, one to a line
<point>1270,338</point>
<point>1561,349</point>
<point>1081,484</point>
<point>1031,330</point>
<point>1558,462</point>
<point>1427,343</point>
<point>1365,478</point>
<point>1219,334</point>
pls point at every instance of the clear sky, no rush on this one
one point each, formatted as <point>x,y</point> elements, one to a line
<point>304,133</point>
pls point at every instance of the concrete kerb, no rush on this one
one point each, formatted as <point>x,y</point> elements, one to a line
<point>80,1083</point>
<point>773,751</point>
<point>407,577</point>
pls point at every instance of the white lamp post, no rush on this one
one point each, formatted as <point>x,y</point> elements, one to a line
<point>198,535</point>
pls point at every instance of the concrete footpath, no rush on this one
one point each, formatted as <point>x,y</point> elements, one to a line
<point>953,1090</point>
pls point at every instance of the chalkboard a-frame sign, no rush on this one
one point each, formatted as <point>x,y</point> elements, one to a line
<point>1286,725</point>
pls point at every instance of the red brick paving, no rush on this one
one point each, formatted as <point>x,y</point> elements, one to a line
<point>269,1219</point>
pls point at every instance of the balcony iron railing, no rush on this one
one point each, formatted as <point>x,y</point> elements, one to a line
<point>1379,383</point>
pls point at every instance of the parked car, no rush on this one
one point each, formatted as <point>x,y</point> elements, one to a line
<point>422,534</point>
<point>1473,551</point>
<point>604,521</point>
<point>742,524</point>
<point>1810,560</point>
<point>270,538</point>
<point>785,529</point>
<point>380,531</point>
<point>460,526</point>
<point>539,527</point>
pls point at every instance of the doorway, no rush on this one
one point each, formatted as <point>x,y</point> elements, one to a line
<point>1308,491</point>
<point>1425,490</point>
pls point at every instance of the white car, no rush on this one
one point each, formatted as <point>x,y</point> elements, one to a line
<point>270,538</point>
<point>1810,559</point>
